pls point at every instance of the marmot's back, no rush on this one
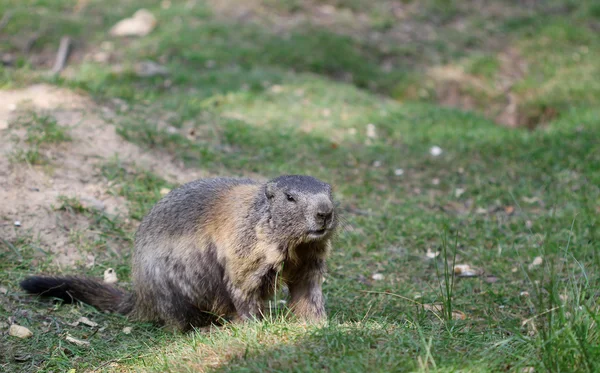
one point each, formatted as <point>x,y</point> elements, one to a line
<point>183,208</point>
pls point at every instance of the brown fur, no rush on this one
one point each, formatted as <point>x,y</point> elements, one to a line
<point>214,247</point>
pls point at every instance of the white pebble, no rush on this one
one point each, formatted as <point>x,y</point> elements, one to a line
<point>435,150</point>
<point>371,131</point>
<point>110,276</point>
<point>398,172</point>
<point>19,331</point>
<point>86,321</point>
<point>377,277</point>
<point>536,262</point>
<point>431,255</point>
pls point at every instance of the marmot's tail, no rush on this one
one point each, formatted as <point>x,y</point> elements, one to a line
<point>69,288</point>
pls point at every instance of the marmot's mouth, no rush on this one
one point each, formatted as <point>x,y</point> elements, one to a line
<point>317,233</point>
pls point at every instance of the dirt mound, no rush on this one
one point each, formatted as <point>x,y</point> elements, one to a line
<point>29,194</point>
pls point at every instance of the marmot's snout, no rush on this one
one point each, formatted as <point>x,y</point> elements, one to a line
<point>322,218</point>
<point>324,214</point>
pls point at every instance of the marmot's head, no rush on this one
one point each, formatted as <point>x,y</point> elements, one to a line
<point>301,208</point>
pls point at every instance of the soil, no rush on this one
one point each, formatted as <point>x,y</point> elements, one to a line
<point>29,194</point>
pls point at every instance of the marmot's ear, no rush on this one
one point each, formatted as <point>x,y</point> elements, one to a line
<point>270,190</point>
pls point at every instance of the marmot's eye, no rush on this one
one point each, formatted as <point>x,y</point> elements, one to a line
<point>290,198</point>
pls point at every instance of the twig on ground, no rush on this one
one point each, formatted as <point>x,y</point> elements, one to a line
<point>5,18</point>
<point>61,56</point>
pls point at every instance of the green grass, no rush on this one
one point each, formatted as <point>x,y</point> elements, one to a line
<point>248,100</point>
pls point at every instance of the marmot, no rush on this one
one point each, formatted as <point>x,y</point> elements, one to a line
<point>214,248</point>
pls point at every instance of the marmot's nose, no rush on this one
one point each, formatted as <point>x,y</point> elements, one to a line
<point>325,211</point>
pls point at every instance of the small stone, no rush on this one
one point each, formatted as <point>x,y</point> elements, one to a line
<point>465,270</point>
<point>377,164</point>
<point>398,172</point>
<point>127,330</point>
<point>459,192</point>
<point>84,320</point>
<point>431,255</point>
<point>528,224</point>
<point>536,262</point>
<point>435,181</point>
<point>164,191</point>
<point>371,132</point>
<point>110,276</point>
<point>3,290</point>
<point>76,341</point>
<point>17,223</point>
<point>524,293</point>
<point>141,24</point>
<point>19,331</point>
<point>435,151</point>
<point>377,277</point>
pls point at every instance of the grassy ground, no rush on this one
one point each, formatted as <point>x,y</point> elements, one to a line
<point>269,95</point>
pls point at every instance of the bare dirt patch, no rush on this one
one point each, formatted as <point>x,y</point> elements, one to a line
<point>30,194</point>
<point>452,85</point>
